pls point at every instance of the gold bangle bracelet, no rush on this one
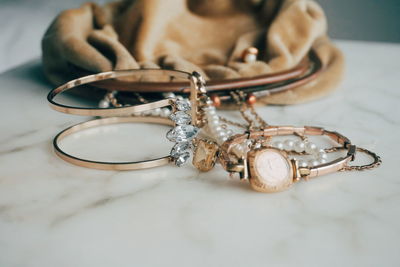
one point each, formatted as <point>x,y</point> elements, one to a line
<point>186,117</point>
<point>195,79</point>
<point>111,165</point>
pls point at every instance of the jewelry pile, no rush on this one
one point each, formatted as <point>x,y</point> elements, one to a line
<point>254,154</point>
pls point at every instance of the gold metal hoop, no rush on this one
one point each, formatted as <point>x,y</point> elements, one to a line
<point>136,165</point>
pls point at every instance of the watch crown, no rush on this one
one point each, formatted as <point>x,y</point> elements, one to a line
<point>240,167</point>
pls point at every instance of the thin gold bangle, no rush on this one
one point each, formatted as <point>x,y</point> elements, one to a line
<point>116,111</point>
<point>134,165</point>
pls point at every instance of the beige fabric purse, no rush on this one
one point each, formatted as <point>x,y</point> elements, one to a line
<point>208,36</point>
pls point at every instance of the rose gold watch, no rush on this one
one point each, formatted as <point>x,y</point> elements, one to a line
<point>270,169</point>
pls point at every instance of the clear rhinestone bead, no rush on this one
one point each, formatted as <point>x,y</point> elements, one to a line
<point>199,77</point>
<point>182,133</point>
<point>179,161</point>
<point>182,104</point>
<point>202,89</point>
<point>180,117</point>
<point>179,148</point>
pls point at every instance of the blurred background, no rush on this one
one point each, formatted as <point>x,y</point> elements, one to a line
<point>23,22</point>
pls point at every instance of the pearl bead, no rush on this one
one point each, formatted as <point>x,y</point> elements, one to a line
<point>156,112</point>
<point>252,50</point>
<point>299,146</point>
<point>322,155</point>
<point>216,128</point>
<point>210,112</point>
<point>313,163</point>
<point>249,58</point>
<point>229,132</point>
<point>323,161</point>
<point>310,148</point>
<point>213,123</point>
<point>165,112</point>
<point>288,144</point>
<point>104,103</point>
<point>168,95</point>
<point>221,133</point>
<point>278,145</point>
<point>302,163</point>
<point>214,117</point>
<point>146,113</point>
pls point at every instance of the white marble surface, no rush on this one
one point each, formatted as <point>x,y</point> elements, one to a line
<point>23,23</point>
<point>56,214</point>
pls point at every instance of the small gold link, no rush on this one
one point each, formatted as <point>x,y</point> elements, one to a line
<point>376,163</point>
<point>141,98</point>
<point>110,96</point>
<point>254,121</point>
<point>333,149</point>
<point>237,124</point>
<point>301,136</point>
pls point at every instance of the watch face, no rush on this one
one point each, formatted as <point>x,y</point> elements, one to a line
<point>270,170</point>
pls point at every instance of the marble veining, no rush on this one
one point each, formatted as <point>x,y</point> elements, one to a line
<point>56,214</point>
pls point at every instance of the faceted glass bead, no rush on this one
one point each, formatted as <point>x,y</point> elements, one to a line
<point>182,133</point>
<point>179,148</point>
<point>179,161</point>
<point>180,117</point>
<point>182,104</point>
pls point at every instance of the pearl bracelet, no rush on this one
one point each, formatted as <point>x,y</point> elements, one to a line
<point>270,168</point>
<point>319,155</point>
